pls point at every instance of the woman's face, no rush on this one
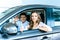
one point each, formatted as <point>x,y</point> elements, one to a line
<point>34,17</point>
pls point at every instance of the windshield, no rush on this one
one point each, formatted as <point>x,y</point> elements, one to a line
<point>7,12</point>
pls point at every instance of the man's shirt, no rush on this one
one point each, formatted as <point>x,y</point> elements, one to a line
<point>20,24</point>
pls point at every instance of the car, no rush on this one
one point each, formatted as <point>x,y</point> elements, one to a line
<point>50,15</point>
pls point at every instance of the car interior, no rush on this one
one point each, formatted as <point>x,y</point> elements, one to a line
<point>28,13</point>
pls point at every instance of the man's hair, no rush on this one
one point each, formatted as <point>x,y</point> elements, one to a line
<point>22,14</point>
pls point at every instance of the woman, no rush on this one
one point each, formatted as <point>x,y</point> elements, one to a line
<point>35,23</point>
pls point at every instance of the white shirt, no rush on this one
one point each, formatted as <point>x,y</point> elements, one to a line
<point>41,24</point>
<point>20,24</point>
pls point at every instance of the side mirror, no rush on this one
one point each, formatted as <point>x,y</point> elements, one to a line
<point>9,28</point>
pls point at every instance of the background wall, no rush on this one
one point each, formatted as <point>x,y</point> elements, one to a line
<point>5,4</point>
<point>46,2</point>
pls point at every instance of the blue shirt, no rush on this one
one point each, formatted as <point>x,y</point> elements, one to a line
<point>20,24</point>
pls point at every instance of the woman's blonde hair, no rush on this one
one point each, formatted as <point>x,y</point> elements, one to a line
<point>31,22</point>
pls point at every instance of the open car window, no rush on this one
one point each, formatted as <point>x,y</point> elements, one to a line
<point>28,13</point>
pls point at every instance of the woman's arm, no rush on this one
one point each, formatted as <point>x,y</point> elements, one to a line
<point>44,27</point>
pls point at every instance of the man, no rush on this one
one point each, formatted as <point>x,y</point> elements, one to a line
<point>21,22</point>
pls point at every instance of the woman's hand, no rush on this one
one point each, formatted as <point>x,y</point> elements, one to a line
<point>44,28</point>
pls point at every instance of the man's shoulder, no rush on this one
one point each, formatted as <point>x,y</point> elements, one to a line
<point>27,21</point>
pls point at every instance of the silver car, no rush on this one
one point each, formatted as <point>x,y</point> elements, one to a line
<point>50,15</point>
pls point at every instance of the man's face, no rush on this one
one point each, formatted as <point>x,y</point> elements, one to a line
<point>23,18</point>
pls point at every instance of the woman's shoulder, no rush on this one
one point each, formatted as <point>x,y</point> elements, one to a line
<point>41,23</point>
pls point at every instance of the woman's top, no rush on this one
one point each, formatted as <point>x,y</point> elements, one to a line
<point>41,24</point>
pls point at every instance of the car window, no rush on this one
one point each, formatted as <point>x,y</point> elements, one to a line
<point>28,13</point>
<point>41,13</point>
<point>7,12</point>
<point>56,15</point>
